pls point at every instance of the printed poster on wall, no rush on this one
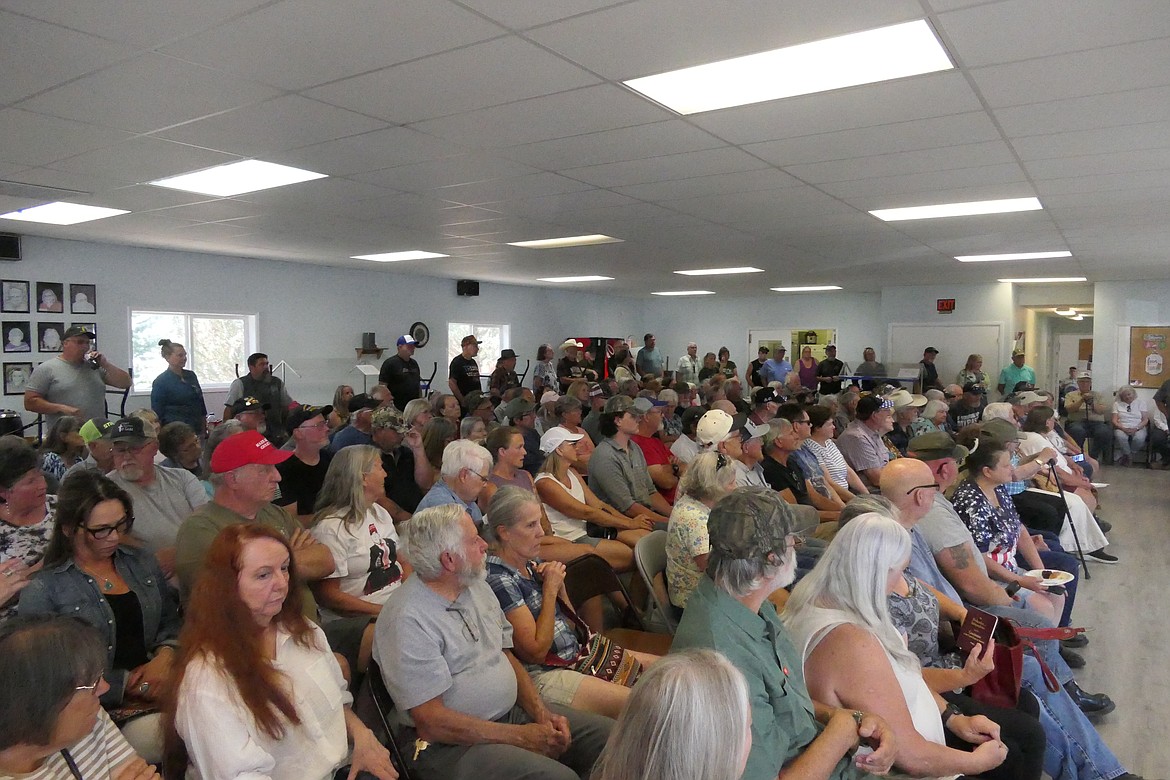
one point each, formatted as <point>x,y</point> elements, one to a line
<point>1147,356</point>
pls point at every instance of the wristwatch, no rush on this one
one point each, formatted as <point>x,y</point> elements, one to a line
<point>1012,589</point>
<point>950,712</point>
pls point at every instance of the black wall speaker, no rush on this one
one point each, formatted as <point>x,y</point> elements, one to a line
<point>9,247</point>
<point>466,287</point>
<point>368,341</point>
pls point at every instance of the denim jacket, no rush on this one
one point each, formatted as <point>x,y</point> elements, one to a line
<point>67,590</point>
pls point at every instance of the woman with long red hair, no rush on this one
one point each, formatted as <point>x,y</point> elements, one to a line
<point>256,691</point>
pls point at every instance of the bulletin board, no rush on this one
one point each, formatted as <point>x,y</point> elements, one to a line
<point>1148,357</point>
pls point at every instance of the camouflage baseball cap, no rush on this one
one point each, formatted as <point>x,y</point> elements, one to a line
<point>936,445</point>
<point>389,418</point>
<point>750,523</point>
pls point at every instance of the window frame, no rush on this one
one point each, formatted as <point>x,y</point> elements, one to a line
<point>487,364</point>
<point>251,327</point>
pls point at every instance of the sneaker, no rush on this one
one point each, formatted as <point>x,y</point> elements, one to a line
<point>1105,525</point>
<point>1073,659</point>
<point>1100,556</point>
<point>1080,640</point>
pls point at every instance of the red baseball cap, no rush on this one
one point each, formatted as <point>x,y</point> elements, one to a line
<point>244,449</point>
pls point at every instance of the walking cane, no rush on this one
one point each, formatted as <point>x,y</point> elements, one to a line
<point>1068,514</point>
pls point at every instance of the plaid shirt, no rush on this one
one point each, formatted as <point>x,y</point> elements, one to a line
<point>514,590</point>
<point>1015,488</point>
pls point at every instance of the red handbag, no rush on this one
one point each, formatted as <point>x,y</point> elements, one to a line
<point>1001,686</point>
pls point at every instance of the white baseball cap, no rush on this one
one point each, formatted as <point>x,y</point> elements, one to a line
<point>556,436</point>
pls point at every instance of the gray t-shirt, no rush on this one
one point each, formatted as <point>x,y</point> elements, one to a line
<point>61,382</point>
<point>428,646</point>
<point>620,477</point>
<point>942,528</point>
<point>161,507</point>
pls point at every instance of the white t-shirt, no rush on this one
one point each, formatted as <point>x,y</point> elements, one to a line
<point>365,554</point>
<point>564,526</point>
<point>1129,415</point>
<point>222,737</point>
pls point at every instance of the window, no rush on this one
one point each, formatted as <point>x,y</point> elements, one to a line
<point>216,344</point>
<point>494,338</point>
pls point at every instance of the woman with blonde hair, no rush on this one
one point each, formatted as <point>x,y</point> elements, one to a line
<point>689,718</point>
<point>339,417</point>
<point>972,373</point>
<point>709,478</point>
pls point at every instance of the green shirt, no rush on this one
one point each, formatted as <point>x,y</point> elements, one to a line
<point>783,725</point>
<point>201,527</point>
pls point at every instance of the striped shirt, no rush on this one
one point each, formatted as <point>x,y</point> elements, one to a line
<point>95,755</point>
<point>831,458</point>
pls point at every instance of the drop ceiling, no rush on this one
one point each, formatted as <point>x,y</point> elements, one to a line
<point>457,127</point>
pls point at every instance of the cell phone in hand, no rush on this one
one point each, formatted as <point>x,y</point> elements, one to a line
<point>1079,458</point>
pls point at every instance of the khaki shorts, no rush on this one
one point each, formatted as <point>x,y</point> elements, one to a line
<point>557,686</point>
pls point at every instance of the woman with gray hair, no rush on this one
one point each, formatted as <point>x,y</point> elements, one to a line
<point>416,413</point>
<point>473,429</point>
<point>682,722</point>
<point>855,658</point>
<point>214,439</point>
<point>571,665</point>
<point>51,723</point>
<point>933,418</point>
<point>709,478</point>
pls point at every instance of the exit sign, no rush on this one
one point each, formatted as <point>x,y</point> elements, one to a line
<point>946,305</point>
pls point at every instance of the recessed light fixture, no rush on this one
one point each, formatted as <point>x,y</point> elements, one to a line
<point>746,269</point>
<point>684,292</point>
<point>1065,312</point>
<point>1013,256</point>
<point>61,213</point>
<point>237,178</point>
<point>972,208</point>
<point>394,257</point>
<point>1045,280</point>
<point>809,288</point>
<point>559,243</point>
<point>867,57</point>
<point>576,279</point>
<point>1077,318</point>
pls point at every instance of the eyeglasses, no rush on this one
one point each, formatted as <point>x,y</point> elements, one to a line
<point>721,461</point>
<point>91,688</point>
<point>934,485</point>
<point>476,473</point>
<point>795,541</point>
<point>466,626</point>
<point>805,421</point>
<point>106,530</point>
<point>1129,407</point>
<point>314,426</point>
<point>121,449</point>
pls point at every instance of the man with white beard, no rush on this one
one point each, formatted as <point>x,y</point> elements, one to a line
<point>753,554</point>
<point>162,497</point>
<point>445,651</point>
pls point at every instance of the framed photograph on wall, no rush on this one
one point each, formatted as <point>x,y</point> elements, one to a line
<point>17,335</point>
<point>14,296</point>
<point>82,299</point>
<point>49,336</point>
<point>50,297</point>
<point>16,377</point>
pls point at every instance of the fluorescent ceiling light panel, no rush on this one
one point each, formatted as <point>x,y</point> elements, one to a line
<point>747,269</point>
<point>810,288</point>
<point>61,213</point>
<point>237,178</point>
<point>1012,256</point>
<point>560,243</point>
<point>834,63</point>
<point>576,279</point>
<point>1045,280</point>
<point>1065,312</point>
<point>394,257</point>
<point>1077,318</point>
<point>684,292</point>
<point>972,208</point>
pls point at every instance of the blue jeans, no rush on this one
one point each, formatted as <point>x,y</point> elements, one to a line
<point>1074,750</point>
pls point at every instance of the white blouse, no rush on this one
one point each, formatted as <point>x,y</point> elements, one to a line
<point>224,741</point>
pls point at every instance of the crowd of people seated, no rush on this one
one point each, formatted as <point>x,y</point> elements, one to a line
<point>205,598</point>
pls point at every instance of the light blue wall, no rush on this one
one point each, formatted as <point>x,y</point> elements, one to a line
<point>1117,306</point>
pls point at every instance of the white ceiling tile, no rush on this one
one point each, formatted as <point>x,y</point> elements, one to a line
<point>212,210</point>
<point>673,166</point>
<point>955,186</point>
<point>142,160</point>
<point>283,123</point>
<point>607,146</point>
<point>903,163</point>
<point>40,139</point>
<point>1149,135</point>
<point>930,133</point>
<point>587,110</point>
<point>66,183</point>
<point>312,196</point>
<point>36,56</point>
<point>1086,113</point>
<point>296,44</point>
<point>1113,69</point>
<point>496,190</point>
<point>715,184</point>
<point>368,152</point>
<point>145,197</point>
<point>447,172</point>
<point>456,81</point>
<point>178,92</point>
<point>652,36</point>
<point>1027,29</point>
<point>145,23</point>
<point>522,14</point>
<point>1099,164</point>
<point>921,97</point>
<point>1135,180</point>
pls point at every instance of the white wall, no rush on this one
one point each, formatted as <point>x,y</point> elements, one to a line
<point>1116,307</point>
<point>311,316</point>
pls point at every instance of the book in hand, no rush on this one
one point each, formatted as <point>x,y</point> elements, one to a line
<point>977,629</point>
